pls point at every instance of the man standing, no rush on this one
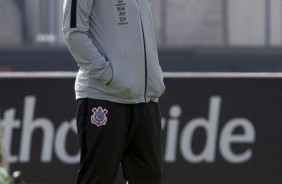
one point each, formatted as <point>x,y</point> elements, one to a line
<point>117,89</point>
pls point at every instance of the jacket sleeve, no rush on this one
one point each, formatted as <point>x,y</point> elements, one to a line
<point>76,34</point>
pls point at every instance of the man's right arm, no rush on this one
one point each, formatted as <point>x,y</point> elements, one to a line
<point>76,34</point>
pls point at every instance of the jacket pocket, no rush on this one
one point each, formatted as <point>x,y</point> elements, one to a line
<point>156,86</point>
<point>107,75</point>
<point>123,86</point>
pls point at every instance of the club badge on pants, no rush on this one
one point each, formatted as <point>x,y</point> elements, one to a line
<point>99,117</point>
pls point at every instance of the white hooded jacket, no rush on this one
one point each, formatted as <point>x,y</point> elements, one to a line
<point>114,44</point>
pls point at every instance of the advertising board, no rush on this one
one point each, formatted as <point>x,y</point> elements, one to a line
<point>216,128</point>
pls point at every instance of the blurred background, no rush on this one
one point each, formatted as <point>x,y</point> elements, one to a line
<point>188,31</point>
<point>205,39</point>
<point>179,23</point>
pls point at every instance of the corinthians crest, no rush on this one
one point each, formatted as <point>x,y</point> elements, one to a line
<point>99,117</point>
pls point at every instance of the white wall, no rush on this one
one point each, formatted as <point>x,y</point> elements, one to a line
<point>189,22</point>
<point>246,22</point>
<point>44,19</point>
<point>10,23</point>
<point>32,19</point>
<point>276,22</point>
<point>194,22</point>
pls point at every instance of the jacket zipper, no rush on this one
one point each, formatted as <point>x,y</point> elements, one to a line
<point>145,54</point>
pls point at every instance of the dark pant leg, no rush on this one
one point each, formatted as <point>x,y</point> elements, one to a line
<point>142,161</point>
<point>101,145</point>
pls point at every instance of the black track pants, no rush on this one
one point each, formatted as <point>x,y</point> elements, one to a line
<point>112,133</point>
